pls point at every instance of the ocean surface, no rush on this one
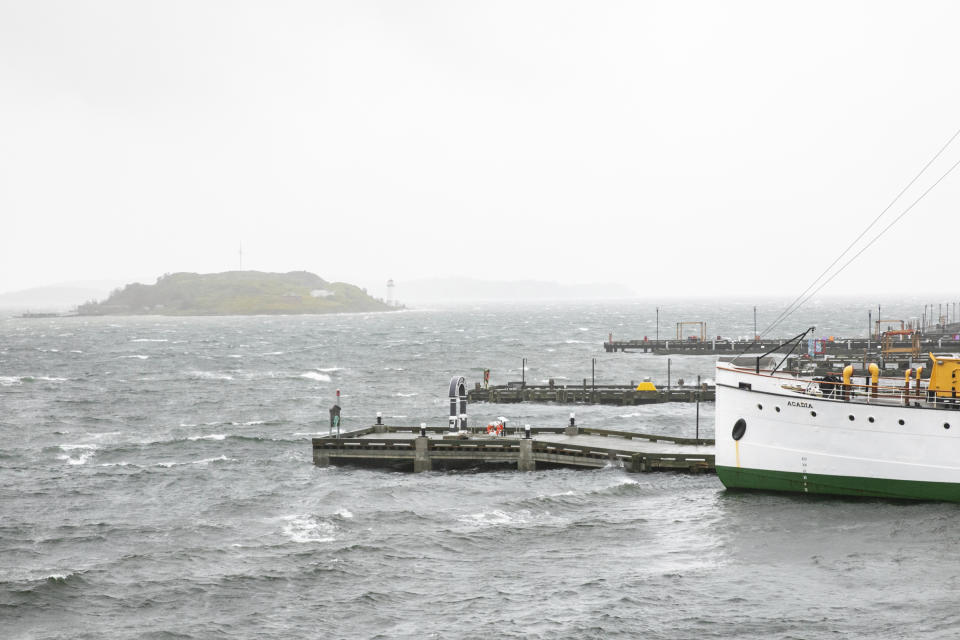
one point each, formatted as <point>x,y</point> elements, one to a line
<point>156,481</point>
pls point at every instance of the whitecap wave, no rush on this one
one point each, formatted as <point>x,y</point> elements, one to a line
<point>9,381</point>
<point>496,518</point>
<point>77,454</point>
<point>518,519</point>
<point>103,434</point>
<point>212,436</point>
<point>61,578</point>
<point>149,340</point>
<point>314,375</point>
<point>137,356</point>
<point>307,528</point>
<point>405,395</point>
<point>217,459</point>
<point>204,461</point>
<point>209,375</point>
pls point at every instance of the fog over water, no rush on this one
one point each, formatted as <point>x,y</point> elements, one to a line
<point>685,148</point>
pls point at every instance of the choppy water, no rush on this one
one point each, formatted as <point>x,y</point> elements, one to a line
<point>156,481</point>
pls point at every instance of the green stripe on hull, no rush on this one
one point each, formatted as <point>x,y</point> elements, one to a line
<point>738,478</point>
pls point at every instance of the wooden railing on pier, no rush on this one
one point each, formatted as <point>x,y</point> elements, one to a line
<point>588,394</point>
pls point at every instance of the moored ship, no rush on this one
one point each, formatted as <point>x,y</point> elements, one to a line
<point>882,437</point>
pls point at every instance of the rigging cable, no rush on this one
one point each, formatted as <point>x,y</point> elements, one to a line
<point>877,237</point>
<point>794,305</point>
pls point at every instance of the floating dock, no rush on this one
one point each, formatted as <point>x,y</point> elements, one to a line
<point>437,448</point>
<point>623,395</point>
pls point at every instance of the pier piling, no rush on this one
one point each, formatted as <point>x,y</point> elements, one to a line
<point>421,458</point>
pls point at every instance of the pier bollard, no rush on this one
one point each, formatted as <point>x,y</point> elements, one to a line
<point>526,432</point>
<point>379,417</point>
<point>423,429</point>
<point>463,421</point>
<point>571,430</point>
<point>379,427</point>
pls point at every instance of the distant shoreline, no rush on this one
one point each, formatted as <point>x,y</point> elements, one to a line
<point>236,293</point>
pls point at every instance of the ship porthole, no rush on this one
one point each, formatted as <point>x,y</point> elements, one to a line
<point>946,425</point>
<point>778,409</point>
<point>871,419</point>
<point>813,413</point>
<point>739,428</point>
<point>850,417</point>
<point>900,422</point>
<point>760,406</point>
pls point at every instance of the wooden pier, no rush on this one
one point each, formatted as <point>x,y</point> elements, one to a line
<point>439,449</point>
<point>844,347</point>
<point>840,347</point>
<point>623,395</point>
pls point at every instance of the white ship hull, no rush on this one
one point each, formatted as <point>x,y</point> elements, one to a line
<point>794,439</point>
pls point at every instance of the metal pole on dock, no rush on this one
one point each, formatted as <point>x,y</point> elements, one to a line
<point>523,373</point>
<point>658,327</point>
<point>668,374</point>
<point>593,376</point>
<point>754,324</point>
<point>698,407</point>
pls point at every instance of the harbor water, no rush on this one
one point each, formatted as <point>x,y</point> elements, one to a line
<point>156,482</point>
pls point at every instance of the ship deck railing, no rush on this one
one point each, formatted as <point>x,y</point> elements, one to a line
<point>915,393</point>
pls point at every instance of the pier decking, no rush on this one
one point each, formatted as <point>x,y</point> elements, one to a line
<point>404,447</point>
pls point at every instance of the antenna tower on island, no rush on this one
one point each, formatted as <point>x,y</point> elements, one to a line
<point>390,300</point>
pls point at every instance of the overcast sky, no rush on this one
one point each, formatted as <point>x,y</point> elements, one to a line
<point>693,148</point>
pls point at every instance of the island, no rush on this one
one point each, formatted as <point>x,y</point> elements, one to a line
<point>235,293</point>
